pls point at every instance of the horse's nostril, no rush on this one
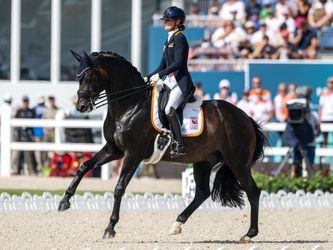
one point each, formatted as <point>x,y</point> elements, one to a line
<point>82,108</point>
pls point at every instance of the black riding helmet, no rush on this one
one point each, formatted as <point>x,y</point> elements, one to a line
<point>174,12</point>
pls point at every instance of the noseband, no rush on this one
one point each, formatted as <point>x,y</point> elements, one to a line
<point>88,94</point>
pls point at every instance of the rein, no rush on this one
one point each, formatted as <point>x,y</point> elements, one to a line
<point>124,93</point>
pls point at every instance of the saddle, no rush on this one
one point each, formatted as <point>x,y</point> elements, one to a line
<point>190,113</point>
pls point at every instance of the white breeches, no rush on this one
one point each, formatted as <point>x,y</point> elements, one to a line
<point>176,95</point>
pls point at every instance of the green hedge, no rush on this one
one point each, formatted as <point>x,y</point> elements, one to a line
<point>292,184</point>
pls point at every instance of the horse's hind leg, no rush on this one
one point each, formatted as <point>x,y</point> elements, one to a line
<point>201,172</point>
<point>253,194</point>
<point>101,157</point>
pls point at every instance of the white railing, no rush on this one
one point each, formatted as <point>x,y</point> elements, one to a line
<point>7,145</point>
<point>278,151</point>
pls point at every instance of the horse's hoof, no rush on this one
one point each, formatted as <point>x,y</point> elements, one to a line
<point>175,228</point>
<point>109,235</point>
<point>245,240</point>
<point>64,205</point>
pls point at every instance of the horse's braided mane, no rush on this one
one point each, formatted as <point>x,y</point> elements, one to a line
<point>118,58</point>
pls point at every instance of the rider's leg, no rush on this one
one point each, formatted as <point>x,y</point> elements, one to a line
<point>175,99</point>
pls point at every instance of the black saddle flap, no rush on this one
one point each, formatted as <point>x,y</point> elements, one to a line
<point>162,102</point>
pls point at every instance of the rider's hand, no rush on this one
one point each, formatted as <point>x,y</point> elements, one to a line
<point>145,79</point>
<point>154,78</point>
<point>159,85</point>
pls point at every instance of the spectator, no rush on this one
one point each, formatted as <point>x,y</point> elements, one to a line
<point>266,7</point>
<point>326,107</point>
<point>321,14</point>
<point>256,21</point>
<point>303,8</point>
<point>261,108</point>
<point>200,92</point>
<point>195,13</point>
<point>283,7</point>
<point>249,29</point>
<point>286,50</point>
<point>233,10</point>
<point>224,93</point>
<point>305,40</point>
<point>228,38</point>
<point>290,95</point>
<point>24,134</point>
<point>278,102</point>
<point>214,7</point>
<point>272,22</point>
<point>245,104</point>
<point>50,113</point>
<point>39,109</point>
<point>264,50</point>
<point>213,19</point>
<point>257,91</point>
<point>258,36</point>
<point>289,21</point>
<point>252,7</point>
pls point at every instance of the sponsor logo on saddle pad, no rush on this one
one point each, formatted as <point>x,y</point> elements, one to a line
<point>193,117</point>
<point>194,123</point>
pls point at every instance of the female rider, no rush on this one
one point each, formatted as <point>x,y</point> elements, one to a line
<point>174,66</point>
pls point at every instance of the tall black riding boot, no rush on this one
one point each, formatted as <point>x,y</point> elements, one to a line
<point>177,146</point>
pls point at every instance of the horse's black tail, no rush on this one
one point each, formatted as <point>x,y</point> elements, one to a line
<point>226,188</point>
<point>261,142</point>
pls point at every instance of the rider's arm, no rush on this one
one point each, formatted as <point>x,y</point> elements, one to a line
<point>180,57</point>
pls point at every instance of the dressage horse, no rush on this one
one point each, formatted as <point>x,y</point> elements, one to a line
<point>230,140</point>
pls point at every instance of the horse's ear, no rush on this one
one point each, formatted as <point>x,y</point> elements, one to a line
<point>76,55</point>
<point>88,59</point>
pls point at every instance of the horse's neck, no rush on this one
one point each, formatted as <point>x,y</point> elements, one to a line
<point>126,108</point>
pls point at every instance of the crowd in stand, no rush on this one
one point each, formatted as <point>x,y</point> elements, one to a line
<point>286,29</point>
<point>262,107</point>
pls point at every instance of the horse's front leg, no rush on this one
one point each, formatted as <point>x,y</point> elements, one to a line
<point>129,166</point>
<point>101,157</point>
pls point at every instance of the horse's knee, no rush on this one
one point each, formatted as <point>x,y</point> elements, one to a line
<point>119,192</point>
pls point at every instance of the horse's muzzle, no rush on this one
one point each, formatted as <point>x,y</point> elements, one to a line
<point>84,107</point>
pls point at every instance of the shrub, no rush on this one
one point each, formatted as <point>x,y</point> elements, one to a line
<point>292,184</point>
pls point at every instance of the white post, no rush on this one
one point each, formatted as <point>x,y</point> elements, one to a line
<point>55,40</point>
<point>15,41</point>
<point>5,143</point>
<point>246,68</point>
<point>106,168</point>
<point>136,33</point>
<point>96,25</point>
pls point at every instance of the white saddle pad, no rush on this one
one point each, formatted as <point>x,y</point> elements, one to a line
<point>193,117</point>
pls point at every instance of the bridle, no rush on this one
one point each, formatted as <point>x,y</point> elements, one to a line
<point>102,97</point>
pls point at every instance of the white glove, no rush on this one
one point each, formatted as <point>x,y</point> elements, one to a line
<point>154,78</point>
<point>145,79</point>
<point>159,85</point>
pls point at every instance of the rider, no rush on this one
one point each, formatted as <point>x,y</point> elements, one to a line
<point>174,66</point>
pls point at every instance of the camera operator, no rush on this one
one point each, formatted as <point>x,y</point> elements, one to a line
<point>301,131</point>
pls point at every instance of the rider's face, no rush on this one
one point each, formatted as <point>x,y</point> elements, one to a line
<point>169,24</point>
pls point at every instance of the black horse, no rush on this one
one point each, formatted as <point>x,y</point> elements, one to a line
<point>230,139</point>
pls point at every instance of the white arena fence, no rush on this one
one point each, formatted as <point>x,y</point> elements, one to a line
<point>156,202</point>
<point>7,143</point>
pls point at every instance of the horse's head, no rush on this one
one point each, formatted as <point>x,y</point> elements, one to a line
<point>89,88</point>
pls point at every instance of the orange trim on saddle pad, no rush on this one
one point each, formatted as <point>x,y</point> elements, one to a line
<point>184,135</point>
